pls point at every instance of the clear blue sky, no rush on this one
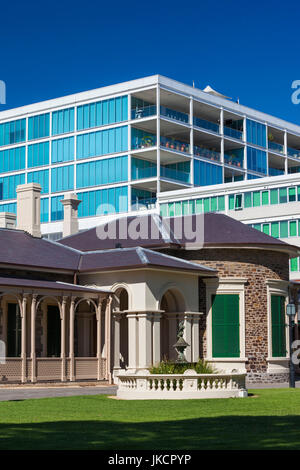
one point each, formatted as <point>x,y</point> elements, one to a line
<point>244,49</point>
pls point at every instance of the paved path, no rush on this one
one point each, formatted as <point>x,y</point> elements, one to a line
<point>23,393</point>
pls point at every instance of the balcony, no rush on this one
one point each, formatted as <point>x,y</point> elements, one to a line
<point>293,152</point>
<point>207,153</point>
<point>143,142</point>
<point>233,160</point>
<point>203,124</point>
<point>142,173</point>
<point>176,175</point>
<point>174,144</point>
<point>143,204</point>
<point>230,132</point>
<point>174,115</point>
<point>142,112</point>
<point>275,146</point>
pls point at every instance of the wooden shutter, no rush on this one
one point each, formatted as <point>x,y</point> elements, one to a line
<point>225,325</point>
<point>278,326</point>
<point>53,331</point>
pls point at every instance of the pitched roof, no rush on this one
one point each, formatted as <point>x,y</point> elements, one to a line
<point>20,248</point>
<point>132,258</point>
<point>213,229</point>
<point>31,284</point>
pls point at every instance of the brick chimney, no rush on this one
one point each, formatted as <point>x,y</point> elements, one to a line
<point>70,203</point>
<point>29,208</point>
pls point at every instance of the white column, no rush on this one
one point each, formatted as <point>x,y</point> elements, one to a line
<point>99,349</point>
<point>188,336</point>
<point>132,341</point>
<point>158,136</point>
<point>23,337</point>
<point>156,353</point>
<point>195,337</point>
<point>145,339</point>
<point>285,147</point>
<point>33,354</point>
<point>71,341</point>
<point>63,339</point>
<point>117,339</point>
<point>108,338</point>
<point>192,141</point>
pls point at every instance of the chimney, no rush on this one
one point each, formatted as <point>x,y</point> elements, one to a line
<point>29,208</point>
<point>70,203</point>
<point>7,220</point>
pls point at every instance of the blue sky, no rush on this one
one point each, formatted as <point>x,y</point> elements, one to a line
<point>243,49</point>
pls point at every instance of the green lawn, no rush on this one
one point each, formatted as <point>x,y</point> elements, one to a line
<point>268,419</point>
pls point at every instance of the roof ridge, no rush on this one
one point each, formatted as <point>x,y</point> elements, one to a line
<point>179,259</point>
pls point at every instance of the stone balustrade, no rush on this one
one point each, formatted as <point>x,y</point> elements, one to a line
<point>143,385</point>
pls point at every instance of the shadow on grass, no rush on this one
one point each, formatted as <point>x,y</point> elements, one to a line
<point>225,432</point>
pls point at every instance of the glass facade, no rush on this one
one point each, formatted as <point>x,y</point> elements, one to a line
<point>104,142</point>
<point>102,113</point>
<point>107,171</point>
<point>63,121</point>
<point>38,154</point>
<point>256,133</point>
<point>13,132</point>
<point>39,126</point>
<point>12,159</point>
<point>206,174</point>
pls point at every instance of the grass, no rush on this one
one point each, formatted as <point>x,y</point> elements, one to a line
<point>269,419</point>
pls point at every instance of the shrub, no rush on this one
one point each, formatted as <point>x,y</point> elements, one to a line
<point>167,367</point>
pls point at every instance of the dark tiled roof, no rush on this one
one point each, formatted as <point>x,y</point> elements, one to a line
<point>219,229</point>
<point>130,258</point>
<point>20,248</point>
<point>63,287</point>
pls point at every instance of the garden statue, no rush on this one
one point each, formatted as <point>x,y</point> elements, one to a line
<point>181,344</point>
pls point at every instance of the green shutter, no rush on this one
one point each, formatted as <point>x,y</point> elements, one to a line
<point>292,194</point>
<point>214,204</point>
<point>278,326</point>
<point>192,206</point>
<point>257,227</point>
<point>265,198</point>
<point>293,228</point>
<point>266,228</point>
<point>248,200</point>
<point>294,264</point>
<point>282,195</point>
<point>164,210</point>
<point>221,203</point>
<point>53,331</point>
<point>207,204</point>
<point>274,196</point>
<point>231,202</point>
<point>275,229</point>
<point>185,207</point>
<point>199,206</point>
<point>225,325</point>
<point>171,209</point>
<point>284,229</point>
<point>13,331</point>
<point>256,198</point>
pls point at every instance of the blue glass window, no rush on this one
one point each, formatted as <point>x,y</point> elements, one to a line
<point>206,174</point>
<point>256,160</point>
<point>62,150</point>
<point>13,132</point>
<point>38,126</point>
<point>8,185</point>
<point>45,210</point>
<point>63,121</point>
<point>57,209</point>
<point>10,207</point>
<point>102,142</point>
<point>256,133</point>
<point>102,113</point>
<point>62,178</point>
<point>41,177</point>
<point>105,171</point>
<point>38,154</point>
<point>103,201</point>
<point>12,159</point>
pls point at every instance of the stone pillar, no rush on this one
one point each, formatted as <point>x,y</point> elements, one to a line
<point>195,337</point>
<point>188,336</point>
<point>108,338</point>
<point>71,341</point>
<point>99,355</point>
<point>117,340</point>
<point>145,340</point>
<point>132,341</point>
<point>33,352</point>
<point>29,208</point>
<point>156,352</point>
<point>172,321</point>
<point>7,220</point>
<point>23,337</point>
<point>70,203</point>
<point>63,339</point>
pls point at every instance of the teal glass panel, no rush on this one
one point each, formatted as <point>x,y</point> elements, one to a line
<point>62,150</point>
<point>57,210</point>
<point>13,132</point>
<point>8,185</point>
<point>102,113</point>
<point>63,121</point>
<point>102,142</point>
<point>41,177</point>
<point>12,159</point>
<point>207,174</point>
<point>256,133</point>
<point>62,178</point>
<point>38,154</point>
<point>38,126</point>
<point>44,210</point>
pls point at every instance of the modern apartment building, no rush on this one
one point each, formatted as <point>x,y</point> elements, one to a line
<point>120,146</point>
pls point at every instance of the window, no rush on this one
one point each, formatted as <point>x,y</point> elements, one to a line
<point>62,150</point>
<point>62,178</point>
<point>102,113</point>
<point>294,264</point>
<point>257,160</point>
<point>238,203</point>
<point>57,210</point>
<point>103,201</point>
<point>63,121</point>
<point>12,159</point>
<point>293,228</point>
<point>284,230</point>
<point>225,325</point>
<point>9,184</point>
<point>292,194</point>
<point>282,195</point>
<point>53,331</point>
<point>256,133</point>
<point>38,154</point>
<point>256,198</point>
<point>275,229</point>
<point>104,171</point>
<point>266,229</point>
<point>102,142</point>
<point>278,326</point>
<point>38,126</point>
<point>13,330</point>
<point>40,177</point>
<point>13,132</point>
<point>265,198</point>
<point>274,196</point>
<point>207,173</point>
<point>248,200</point>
